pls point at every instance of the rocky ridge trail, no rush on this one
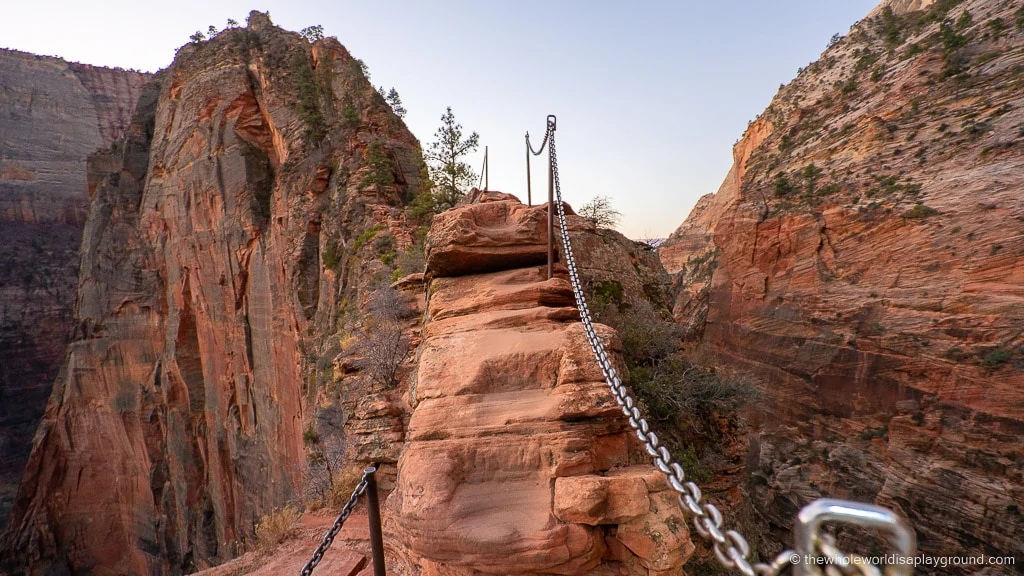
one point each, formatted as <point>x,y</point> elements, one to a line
<point>517,458</point>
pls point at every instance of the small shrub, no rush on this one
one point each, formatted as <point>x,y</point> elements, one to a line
<point>920,211</point>
<point>600,213</point>
<point>310,436</point>
<point>997,357</point>
<point>695,470</point>
<point>964,21</point>
<point>383,345</point>
<point>996,27</point>
<point>811,173</point>
<point>366,236</point>
<point>609,291</point>
<point>782,185</point>
<point>276,527</point>
<point>872,433</point>
<point>384,243</point>
<point>891,28</point>
<point>331,257</point>
<point>342,488</point>
<point>410,261</point>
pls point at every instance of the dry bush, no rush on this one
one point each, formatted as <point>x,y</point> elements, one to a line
<point>383,344</point>
<point>389,304</point>
<point>600,212</point>
<point>343,486</point>
<point>276,527</point>
<point>324,467</point>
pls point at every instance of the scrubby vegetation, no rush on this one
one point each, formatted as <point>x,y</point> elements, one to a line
<point>276,527</point>
<point>310,91</point>
<point>600,213</point>
<point>691,405</point>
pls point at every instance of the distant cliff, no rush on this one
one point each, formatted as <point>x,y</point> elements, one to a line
<point>219,251</point>
<point>865,258</point>
<point>53,115</point>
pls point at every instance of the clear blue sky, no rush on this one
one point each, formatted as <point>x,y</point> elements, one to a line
<point>649,99</point>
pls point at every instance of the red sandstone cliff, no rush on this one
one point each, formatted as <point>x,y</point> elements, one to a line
<point>865,258</point>
<point>205,289</point>
<point>55,114</point>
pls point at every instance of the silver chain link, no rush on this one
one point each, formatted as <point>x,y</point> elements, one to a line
<point>318,554</point>
<point>541,149</point>
<point>730,548</point>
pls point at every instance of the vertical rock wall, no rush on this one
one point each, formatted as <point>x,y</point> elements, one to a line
<point>53,115</point>
<point>865,258</point>
<point>176,421</point>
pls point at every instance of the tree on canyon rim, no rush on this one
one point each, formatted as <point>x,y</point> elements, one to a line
<point>452,177</point>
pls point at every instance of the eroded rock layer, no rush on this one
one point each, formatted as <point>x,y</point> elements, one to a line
<point>865,258</point>
<point>517,458</point>
<point>176,421</point>
<point>54,115</point>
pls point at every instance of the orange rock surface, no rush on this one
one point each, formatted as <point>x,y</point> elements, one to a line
<point>865,258</point>
<point>55,114</point>
<point>517,458</point>
<point>177,419</point>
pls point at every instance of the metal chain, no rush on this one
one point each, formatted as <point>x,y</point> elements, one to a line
<point>346,511</point>
<point>730,548</point>
<point>541,149</point>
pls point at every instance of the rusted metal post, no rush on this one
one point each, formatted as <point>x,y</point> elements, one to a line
<point>373,515</point>
<point>529,200</point>
<point>551,216</point>
<point>551,197</point>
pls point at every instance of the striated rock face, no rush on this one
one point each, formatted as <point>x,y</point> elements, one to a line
<point>517,458</point>
<point>55,114</point>
<point>176,420</point>
<point>865,258</point>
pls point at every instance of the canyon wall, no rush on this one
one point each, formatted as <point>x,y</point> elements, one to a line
<point>865,258</point>
<point>220,245</point>
<point>53,115</point>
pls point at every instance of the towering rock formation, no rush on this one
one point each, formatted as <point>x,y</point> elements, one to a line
<point>54,114</point>
<point>517,458</point>
<point>219,243</point>
<point>865,257</point>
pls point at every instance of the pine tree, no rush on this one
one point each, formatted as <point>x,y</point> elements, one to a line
<point>395,101</point>
<point>451,176</point>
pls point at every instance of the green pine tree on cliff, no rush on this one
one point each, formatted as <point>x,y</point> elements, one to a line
<point>452,177</point>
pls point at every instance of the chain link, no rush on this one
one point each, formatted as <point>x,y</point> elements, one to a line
<point>541,149</point>
<point>346,511</point>
<point>730,548</point>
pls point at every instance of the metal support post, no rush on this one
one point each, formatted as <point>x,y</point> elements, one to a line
<point>373,515</point>
<point>529,199</point>
<point>551,216</point>
<point>551,201</point>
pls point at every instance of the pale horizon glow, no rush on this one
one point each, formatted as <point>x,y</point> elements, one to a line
<point>649,99</point>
